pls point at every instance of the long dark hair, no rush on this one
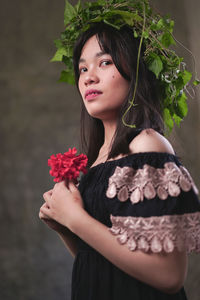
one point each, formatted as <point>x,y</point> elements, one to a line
<point>123,48</point>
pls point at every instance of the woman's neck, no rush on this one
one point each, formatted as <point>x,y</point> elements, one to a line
<point>109,132</point>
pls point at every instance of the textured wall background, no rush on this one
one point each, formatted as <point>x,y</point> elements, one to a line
<point>40,117</point>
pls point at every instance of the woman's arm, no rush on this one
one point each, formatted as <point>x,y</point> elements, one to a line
<point>70,241</point>
<point>165,272</point>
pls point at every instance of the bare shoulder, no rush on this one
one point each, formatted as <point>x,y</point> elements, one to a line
<point>150,140</point>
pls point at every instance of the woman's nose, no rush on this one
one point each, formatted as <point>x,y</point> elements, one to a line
<point>91,77</point>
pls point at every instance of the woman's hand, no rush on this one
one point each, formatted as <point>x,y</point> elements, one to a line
<point>54,225</point>
<point>63,205</point>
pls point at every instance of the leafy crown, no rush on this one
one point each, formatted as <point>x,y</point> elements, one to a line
<point>155,32</point>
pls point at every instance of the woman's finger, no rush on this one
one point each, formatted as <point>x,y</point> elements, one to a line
<point>45,211</point>
<point>47,195</point>
<point>72,186</point>
<point>42,215</point>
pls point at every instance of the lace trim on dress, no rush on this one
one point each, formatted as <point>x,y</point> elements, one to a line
<point>158,234</point>
<point>148,182</point>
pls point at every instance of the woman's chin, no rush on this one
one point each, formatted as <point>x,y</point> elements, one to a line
<point>103,114</point>
<point>95,114</point>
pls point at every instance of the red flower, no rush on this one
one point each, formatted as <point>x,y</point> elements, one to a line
<point>67,165</point>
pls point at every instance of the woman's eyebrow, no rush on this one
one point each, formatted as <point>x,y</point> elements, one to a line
<point>98,54</point>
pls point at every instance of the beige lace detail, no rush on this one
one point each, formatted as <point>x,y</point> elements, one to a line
<point>158,234</point>
<point>148,182</point>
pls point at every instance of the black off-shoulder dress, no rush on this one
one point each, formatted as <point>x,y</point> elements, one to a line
<point>149,202</point>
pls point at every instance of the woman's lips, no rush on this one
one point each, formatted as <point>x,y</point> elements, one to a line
<point>92,94</point>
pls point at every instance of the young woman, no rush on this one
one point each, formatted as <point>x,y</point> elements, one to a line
<point>135,214</point>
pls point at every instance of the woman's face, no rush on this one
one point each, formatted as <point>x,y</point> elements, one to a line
<point>102,87</point>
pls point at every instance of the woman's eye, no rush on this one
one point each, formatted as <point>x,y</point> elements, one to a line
<point>82,70</point>
<point>106,63</point>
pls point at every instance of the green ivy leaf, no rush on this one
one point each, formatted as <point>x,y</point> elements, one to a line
<point>160,24</point>
<point>178,85</point>
<point>154,64</point>
<point>145,34</point>
<point>59,54</point>
<point>97,19</point>
<point>67,76</point>
<point>78,6</point>
<point>165,23</point>
<point>100,2</point>
<point>128,17</point>
<point>58,43</point>
<point>171,26</point>
<point>153,25</point>
<point>168,119</point>
<point>86,27</point>
<point>181,108</point>
<point>69,13</point>
<point>186,76</point>
<point>180,82</point>
<point>68,61</point>
<point>196,82</point>
<point>168,101</point>
<point>177,119</point>
<point>166,39</point>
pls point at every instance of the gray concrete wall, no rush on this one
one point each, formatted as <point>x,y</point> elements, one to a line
<point>39,117</point>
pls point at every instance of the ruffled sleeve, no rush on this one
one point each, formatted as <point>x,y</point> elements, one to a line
<point>153,204</point>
